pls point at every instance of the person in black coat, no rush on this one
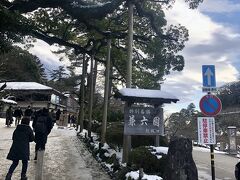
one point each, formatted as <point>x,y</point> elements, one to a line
<point>9,116</point>
<point>237,170</point>
<point>28,112</point>
<point>18,115</point>
<point>58,113</point>
<point>42,126</point>
<point>20,149</point>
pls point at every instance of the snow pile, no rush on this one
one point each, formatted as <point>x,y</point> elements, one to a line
<point>158,151</point>
<point>110,159</point>
<point>135,175</point>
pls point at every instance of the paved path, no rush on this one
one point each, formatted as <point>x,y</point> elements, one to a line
<point>224,165</point>
<point>65,158</point>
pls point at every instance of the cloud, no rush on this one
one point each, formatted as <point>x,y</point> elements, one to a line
<point>220,6</point>
<point>210,43</point>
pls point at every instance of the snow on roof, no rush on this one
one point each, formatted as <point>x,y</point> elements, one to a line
<point>231,127</point>
<point>146,93</point>
<point>8,101</point>
<point>25,86</point>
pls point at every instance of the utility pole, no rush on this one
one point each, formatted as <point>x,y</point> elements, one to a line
<point>127,138</point>
<point>106,91</point>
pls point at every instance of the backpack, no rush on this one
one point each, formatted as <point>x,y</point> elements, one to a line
<point>41,124</point>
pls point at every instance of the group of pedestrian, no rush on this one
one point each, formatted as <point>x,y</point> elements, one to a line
<point>63,119</point>
<point>24,134</point>
<point>18,114</point>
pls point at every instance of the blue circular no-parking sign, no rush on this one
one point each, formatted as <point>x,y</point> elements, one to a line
<point>210,105</point>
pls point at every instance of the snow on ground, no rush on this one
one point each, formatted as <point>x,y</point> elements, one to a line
<point>202,149</point>
<point>164,150</point>
<point>135,175</point>
<point>66,158</point>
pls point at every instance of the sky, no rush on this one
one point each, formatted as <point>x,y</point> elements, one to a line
<point>214,39</point>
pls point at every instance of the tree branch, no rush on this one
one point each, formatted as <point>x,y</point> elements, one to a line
<point>78,9</point>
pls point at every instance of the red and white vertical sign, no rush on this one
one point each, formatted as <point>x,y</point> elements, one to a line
<point>206,130</point>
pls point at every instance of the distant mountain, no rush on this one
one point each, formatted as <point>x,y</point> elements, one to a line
<point>230,94</point>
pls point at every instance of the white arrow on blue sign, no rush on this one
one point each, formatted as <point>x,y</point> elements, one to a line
<point>208,74</point>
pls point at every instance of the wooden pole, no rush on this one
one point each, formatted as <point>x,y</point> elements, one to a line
<point>39,168</point>
<point>127,138</point>
<point>140,173</point>
<point>106,93</point>
<point>157,137</point>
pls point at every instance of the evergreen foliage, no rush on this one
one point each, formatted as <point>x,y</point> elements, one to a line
<point>141,157</point>
<point>19,65</point>
<point>83,27</point>
<point>229,95</point>
<point>184,123</point>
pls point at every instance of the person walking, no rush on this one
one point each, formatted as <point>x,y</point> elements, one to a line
<point>63,120</point>
<point>9,116</point>
<point>52,114</point>
<point>18,115</point>
<point>20,149</point>
<point>42,126</point>
<point>58,113</point>
<point>28,112</point>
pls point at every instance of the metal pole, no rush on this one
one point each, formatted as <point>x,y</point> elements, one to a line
<point>212,162</point>
<point>127,138</point>
<point>106,92</point>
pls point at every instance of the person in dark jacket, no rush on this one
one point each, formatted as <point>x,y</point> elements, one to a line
<point>28,112</point>
<point>9,116</point>
<point>58,113</point>
<point>18,115</point>
<point>42,126</point>
<point>20,149</point>
<point>237,170</point>
<point>52,114</point>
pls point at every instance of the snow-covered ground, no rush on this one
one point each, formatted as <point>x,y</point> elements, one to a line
<point>66,158</point>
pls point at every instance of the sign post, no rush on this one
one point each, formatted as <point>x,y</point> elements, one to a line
<point>210,106</point>
<point>209,80</point>
<point>206,135</point>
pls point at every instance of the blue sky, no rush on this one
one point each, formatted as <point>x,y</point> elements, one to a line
<point>214,38</point>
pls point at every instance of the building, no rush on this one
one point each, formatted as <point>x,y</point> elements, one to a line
<point>38,96</point>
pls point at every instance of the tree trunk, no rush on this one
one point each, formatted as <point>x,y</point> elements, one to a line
<point>81,113</point>
<point>91,98</point>
<point>106,93</point>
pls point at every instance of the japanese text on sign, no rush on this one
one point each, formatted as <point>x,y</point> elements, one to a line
<point>143,120</point>
<point>206,130</point>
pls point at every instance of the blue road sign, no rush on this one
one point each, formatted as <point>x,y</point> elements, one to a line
<point>208,74</point>
<point>210,105</point>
